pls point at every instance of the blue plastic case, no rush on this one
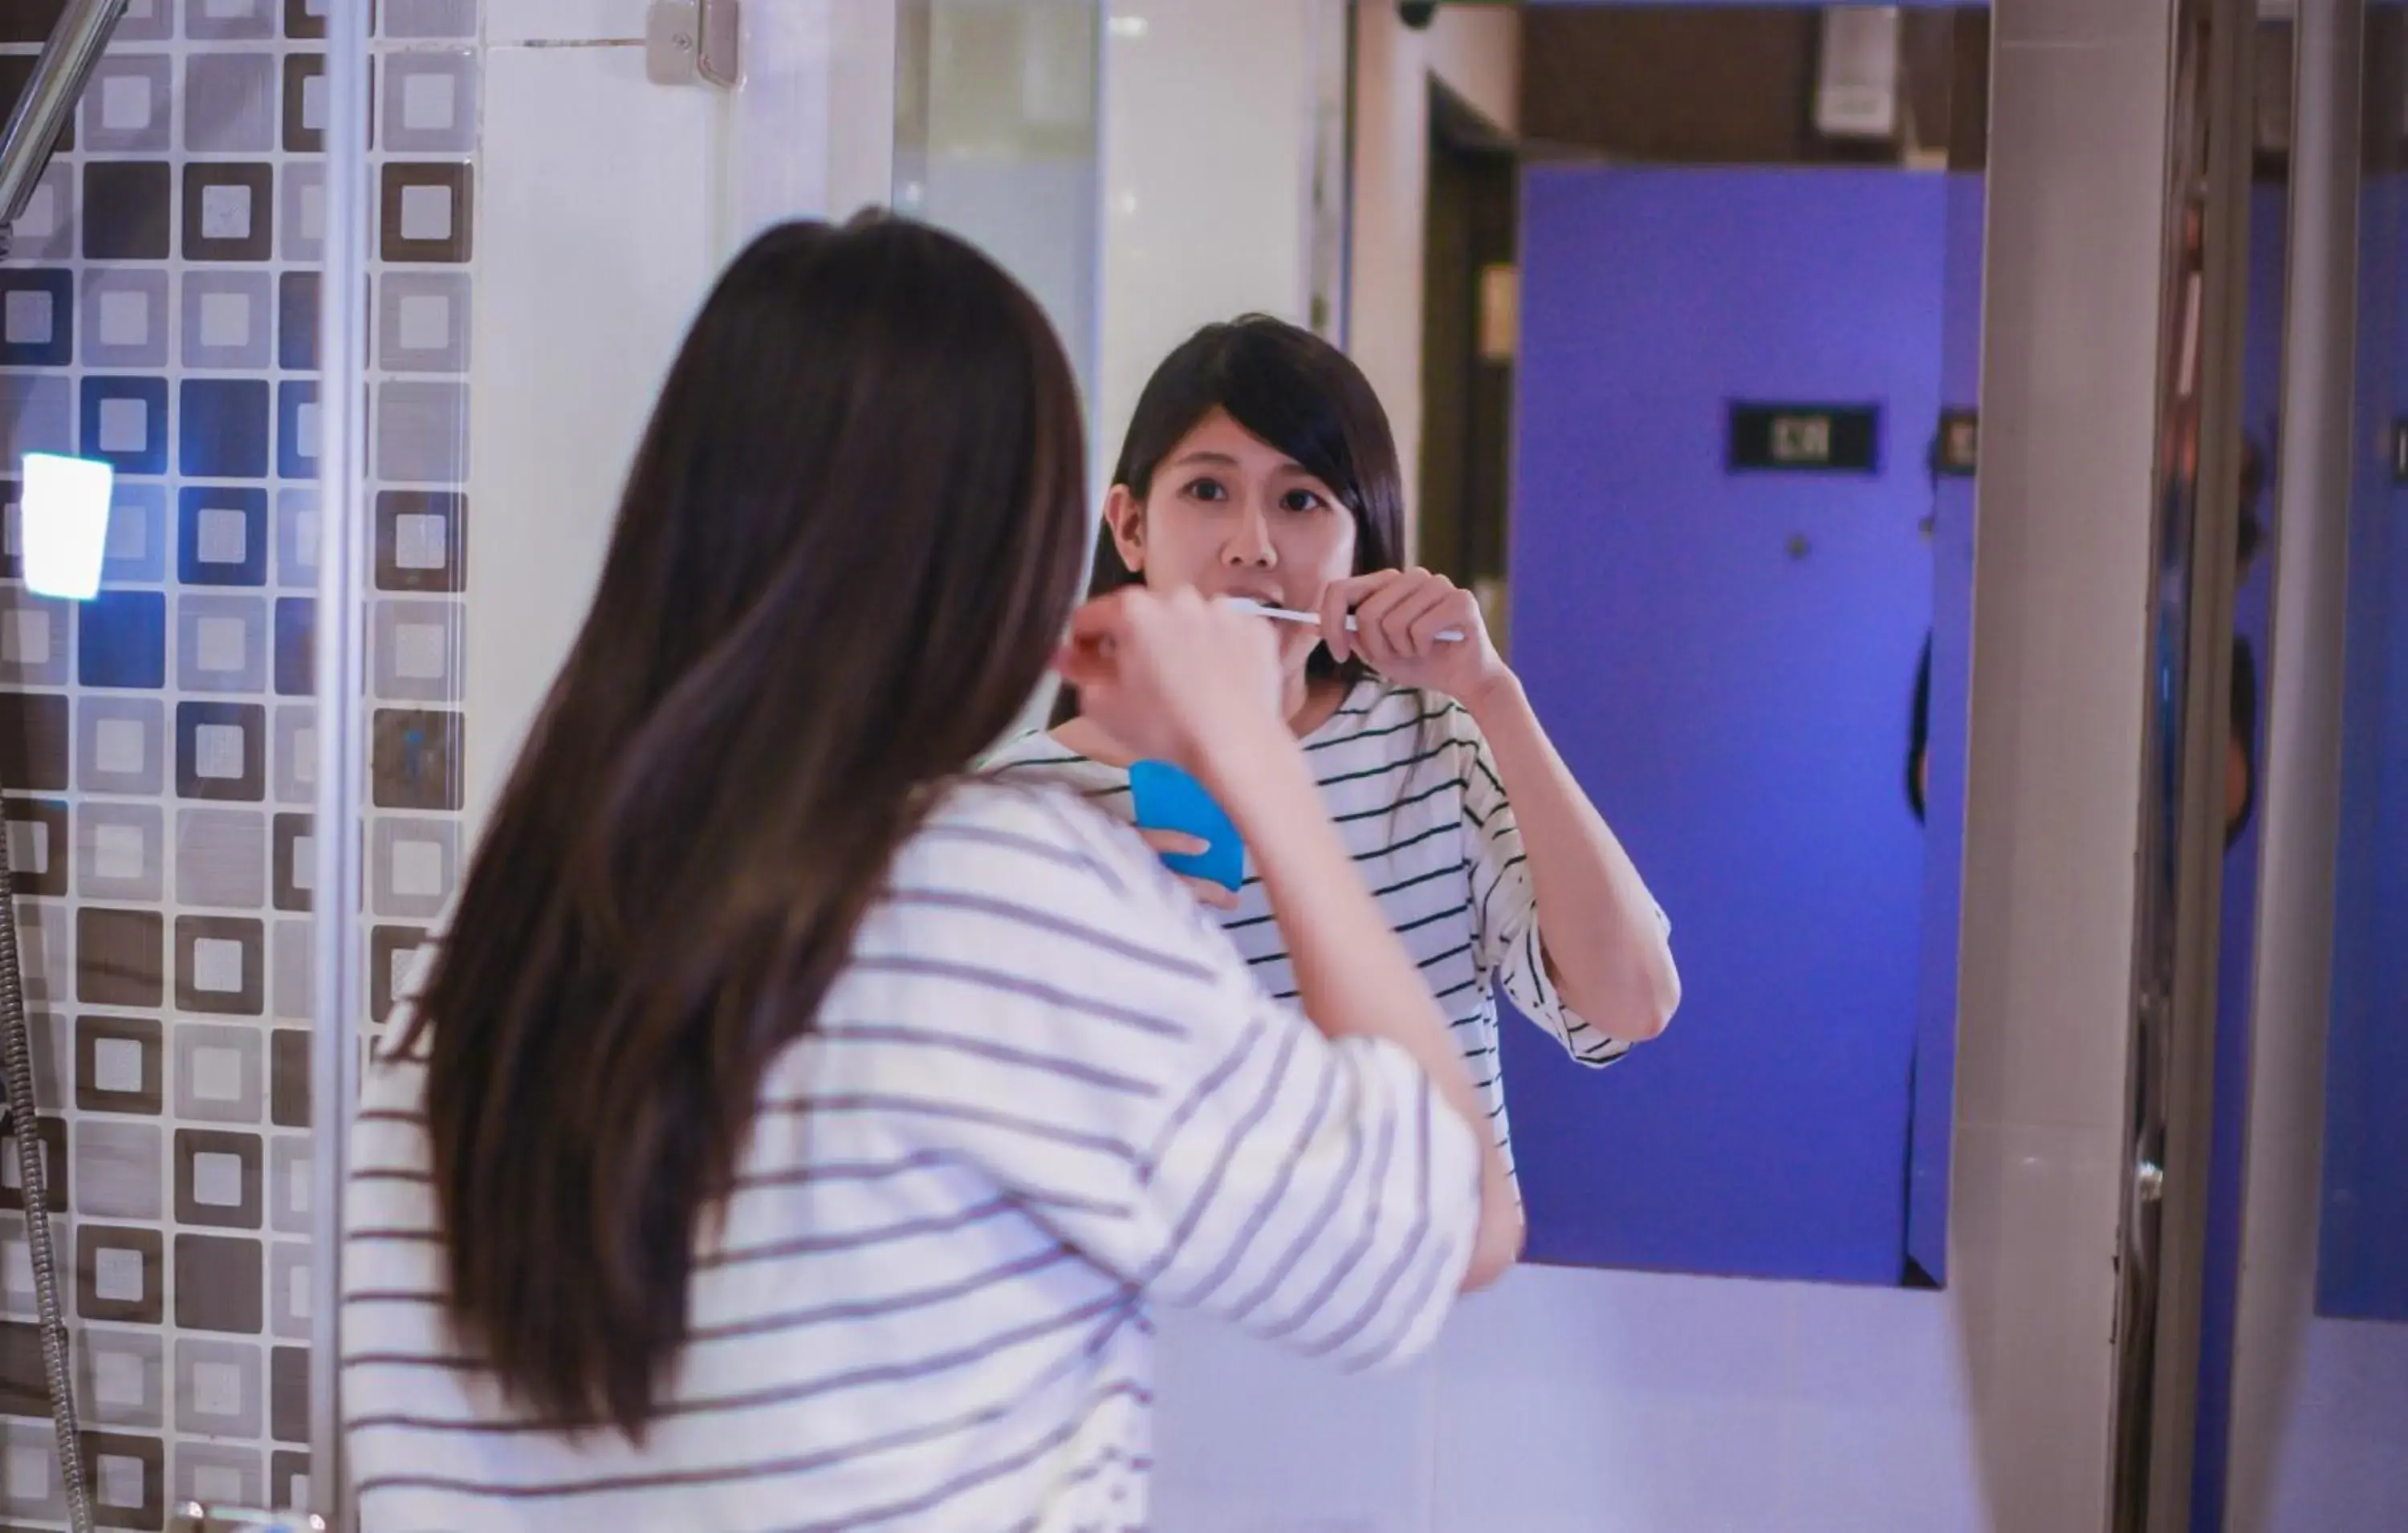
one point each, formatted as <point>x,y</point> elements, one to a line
<point>1168,798</point>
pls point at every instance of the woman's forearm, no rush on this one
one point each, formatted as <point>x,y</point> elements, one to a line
<point>1354,977</point>
<point>1605,945</point>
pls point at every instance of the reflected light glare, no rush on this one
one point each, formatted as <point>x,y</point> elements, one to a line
<point>62,518</point>
<point>1127,26</point>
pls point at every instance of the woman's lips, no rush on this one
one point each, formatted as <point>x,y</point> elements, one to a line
<point>1267,599</point>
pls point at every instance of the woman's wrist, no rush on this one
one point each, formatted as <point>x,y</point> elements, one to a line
<point>1249,768</point>
<point>1495,695</point>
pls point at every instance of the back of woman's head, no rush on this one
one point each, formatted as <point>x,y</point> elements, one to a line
<point>847,550</point>
<point>1294,391</point>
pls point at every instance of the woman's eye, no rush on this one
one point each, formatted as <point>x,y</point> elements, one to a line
<point>1205,489</point>
<point>1300,500</point>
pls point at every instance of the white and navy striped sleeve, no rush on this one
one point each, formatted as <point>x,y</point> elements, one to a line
<point>1505,906</point>
<point>1134,1087</point>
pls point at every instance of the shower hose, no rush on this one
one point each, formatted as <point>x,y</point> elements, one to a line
<point>17,1065</point>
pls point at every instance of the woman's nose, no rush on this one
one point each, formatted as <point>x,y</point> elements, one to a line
<point>1250,541</point>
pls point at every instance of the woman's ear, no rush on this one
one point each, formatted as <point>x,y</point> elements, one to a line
<point>1125,515</point>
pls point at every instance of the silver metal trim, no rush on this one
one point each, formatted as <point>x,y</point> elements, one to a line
<point>343,764</point>
<point>194,1517</point>
<point>2162,1256</point>
<point>76,44</point>
<point>686,42</point>
<point>2291,993</point>
<point>718,54</point>
<point>2186,1088</point>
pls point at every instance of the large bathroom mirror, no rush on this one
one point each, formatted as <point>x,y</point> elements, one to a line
<point>2266,1381</point>
<point>2347,1399</point>
<point>2314,1342</point>
<point>1738,556</point>
<point>1675,311</point>
<point>2363,1266</point>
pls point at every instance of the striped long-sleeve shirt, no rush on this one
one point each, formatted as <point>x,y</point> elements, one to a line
<point>1410,782</point>
<point>1045,1097</point>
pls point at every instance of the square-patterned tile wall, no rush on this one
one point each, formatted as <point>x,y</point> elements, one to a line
<point>158,745</point>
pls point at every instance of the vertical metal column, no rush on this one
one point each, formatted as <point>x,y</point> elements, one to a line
<point>2291,991</point>
<point>2178,932</point>
<point>342,767</point>
<point>2081,106</point>
<point>48,101</point>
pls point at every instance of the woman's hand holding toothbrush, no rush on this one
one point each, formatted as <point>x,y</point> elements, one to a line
<point>1415,628</point>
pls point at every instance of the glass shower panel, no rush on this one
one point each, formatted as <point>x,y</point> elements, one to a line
<point>344,302</point>
<point>995,140</point>
<point>158,316</point>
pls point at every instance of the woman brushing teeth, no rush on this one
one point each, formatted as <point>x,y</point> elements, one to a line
<point>1260,466</point>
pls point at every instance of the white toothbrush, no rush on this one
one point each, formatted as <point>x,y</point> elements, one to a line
<point>1289,614</point>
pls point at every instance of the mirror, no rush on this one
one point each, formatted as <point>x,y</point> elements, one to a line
<point>1675,313</point>
<point>2223,359</point>
<point>2320,1394</point>
<point>2363,1266</point>
<point>2302,1341</point>
<point>2236,780</point>
<point>1738,553</point>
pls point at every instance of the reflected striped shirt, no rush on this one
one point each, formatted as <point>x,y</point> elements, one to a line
<point>1045,1098</point>
<point>1410,782</point>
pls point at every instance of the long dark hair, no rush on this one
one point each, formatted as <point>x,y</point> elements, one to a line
<point>847,551</point>
<point>1296,391</point>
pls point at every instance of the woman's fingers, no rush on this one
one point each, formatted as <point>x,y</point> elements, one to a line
<point>1100,619</point>
<point>1211,894</point>
<point>1342,597</point>
<point>1174,843</point>
<point>1335,597</point>
<point>1446,610</point>
<point>1163,670</point>
<point>1084,664</point>
<point>1385,619</point>
<point>1412,625</point>
<point>1087,656</point>
<point>1372,634</point>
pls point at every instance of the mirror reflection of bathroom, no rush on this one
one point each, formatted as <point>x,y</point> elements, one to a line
<point>1006,156</point>
<point>1675,314</point>
<point>2223,359</point>
<point>1675,311</point>
<point>2362,1273</point>
<point>1733,526</point>
<point>2303,1349</point>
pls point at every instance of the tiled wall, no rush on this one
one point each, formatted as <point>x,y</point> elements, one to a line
<point>160,310</point>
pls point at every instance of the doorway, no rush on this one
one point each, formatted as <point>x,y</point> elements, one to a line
<point>1470,303</point>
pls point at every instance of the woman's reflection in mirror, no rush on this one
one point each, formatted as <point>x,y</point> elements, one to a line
<point>1259,464</point>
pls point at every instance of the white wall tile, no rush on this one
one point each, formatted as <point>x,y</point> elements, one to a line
<point>563,20</point>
